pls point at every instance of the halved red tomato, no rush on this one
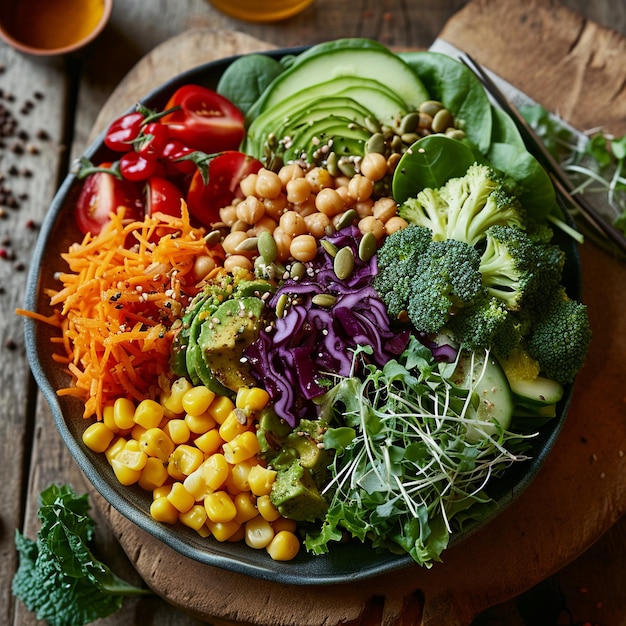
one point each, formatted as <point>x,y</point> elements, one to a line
<point>162,196</point>
<point>226,171</point>
<point>102,194</point>
<point>204,120</point>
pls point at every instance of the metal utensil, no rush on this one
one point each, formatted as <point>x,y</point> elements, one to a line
<point>534,144</point>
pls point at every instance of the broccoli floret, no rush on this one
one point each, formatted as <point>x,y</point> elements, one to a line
<point>398,260</point>
<point>447,279</point>
<point>560,336</point>
<point>465,207</point>
<point>515,267</point>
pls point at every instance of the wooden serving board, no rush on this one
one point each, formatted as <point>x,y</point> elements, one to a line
<point>571,66</point>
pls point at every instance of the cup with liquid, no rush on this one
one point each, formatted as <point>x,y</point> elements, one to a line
<point>261,10</point>
<point>52,27</point>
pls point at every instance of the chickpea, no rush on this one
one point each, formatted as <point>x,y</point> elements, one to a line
<point>303,248</point>
<point>329,202</point>
<point>360,187</point>
<point>298,190</point>
<point>307,207</point>
<point>364,208</point>
<point>395,223</point>
<point>317,224</point>
<point>250,210</point>
<point>268,184</point>
<point>319,178</point>
<point>348,200</point>
<point>203,266</point>
<point>374,166</point>
<point>290,172</point>
<point>292,224</point>
<point>232,240</point>
<point>228,215</point>
<point>237,260</point>
<point>384,209</point>
<point>248,185</point>
<point>372,225</point>
<point>283,243</point>
<point>266,223</point>
<point>274,207</point>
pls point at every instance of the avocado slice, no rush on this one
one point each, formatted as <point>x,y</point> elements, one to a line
<point>232,326</point>
<point>296,495</point>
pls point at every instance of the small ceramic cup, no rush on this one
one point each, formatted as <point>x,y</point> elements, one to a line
<point>52,27</point>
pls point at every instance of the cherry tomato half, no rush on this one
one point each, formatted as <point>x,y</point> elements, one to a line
<point>205,120</point>
<point>102,194</point>
<point>123,131</point>
<point>226,171</point>
<point>162,196</point>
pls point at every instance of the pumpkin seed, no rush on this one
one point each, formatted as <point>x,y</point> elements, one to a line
<point>376,143</point>
<point>267,246</point>
<point>409,123</point>
<point>430,107</point>
<point>248,245</point>
<point>329,246</point>
<point>297,270</point>
<point>346,219</point>
<point>324,299</point>
<point>346,167</point>
<point>213,238</point>
<point>372,125</point>
<point>367,246</point>
<point>281,305</point>
<point>343,265</point>
<point>442,120</point>
<point>409,138</point>
<point>331,164</point>
<point>455,133</point>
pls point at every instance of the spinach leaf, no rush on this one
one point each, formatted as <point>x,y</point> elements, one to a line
<point>454,85</point>
<point>430,163</point>
<point>246,78</point>
<point>58,577</point>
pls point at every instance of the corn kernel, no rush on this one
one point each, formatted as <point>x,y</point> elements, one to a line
<point>259,533</point>
<point>245,503</point>
<point>107,418</point>
<point>123,413</point>
<point>220,408</point>
<point>124,474</point>
<point>197,400</point>
<point>252,398</point>
<point>209,442</point>
<point>173,401</point>
<point>261,480</point>
<point>284,546</point>
<point>180,498</point>
<point>132,457</point>
<point>97,437</point>
<point>216,471</point>
<point>148,413</point>
<point>220,507</point>
<point>153,475</point>
<point>223,531</point>
<point>195,517</point>
<point>239,535</point>
<point>112,451</point>
<point>162,491</point>
<point>283,523</point>
<point>204,531</point>
<point>267,509</point>
<point>242,447</point>
<point>238,479</point>
<point>186,458</point>
<point>162,510</point>
<point>136,431</point>
<point>196,484</point>
<point>200,424</point>
<point>154,442</point>
<point>178,431</point>
<point>233,425</point>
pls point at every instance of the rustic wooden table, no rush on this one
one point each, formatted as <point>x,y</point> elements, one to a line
<point>47,111</point>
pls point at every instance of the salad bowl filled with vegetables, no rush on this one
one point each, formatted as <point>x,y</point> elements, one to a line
<point>309,315</point>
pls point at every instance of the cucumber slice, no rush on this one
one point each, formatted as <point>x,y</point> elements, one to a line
<point>494,406</point>
<point>538,392</point>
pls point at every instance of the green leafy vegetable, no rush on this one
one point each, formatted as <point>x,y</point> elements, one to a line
<point>405,472</point>
<point>58,577</point>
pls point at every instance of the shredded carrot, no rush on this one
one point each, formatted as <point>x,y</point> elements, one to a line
<point>118,302</point>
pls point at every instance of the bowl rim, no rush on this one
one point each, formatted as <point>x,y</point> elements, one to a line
<point>19,45</point>
<point>305,569</point>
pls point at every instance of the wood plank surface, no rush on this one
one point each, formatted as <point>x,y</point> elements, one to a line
<point>75,90</point>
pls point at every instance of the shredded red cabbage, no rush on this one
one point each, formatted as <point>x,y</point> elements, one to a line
<point>293,356</point>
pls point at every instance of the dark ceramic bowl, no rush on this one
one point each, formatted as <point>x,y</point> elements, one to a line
<point>345,562</point>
